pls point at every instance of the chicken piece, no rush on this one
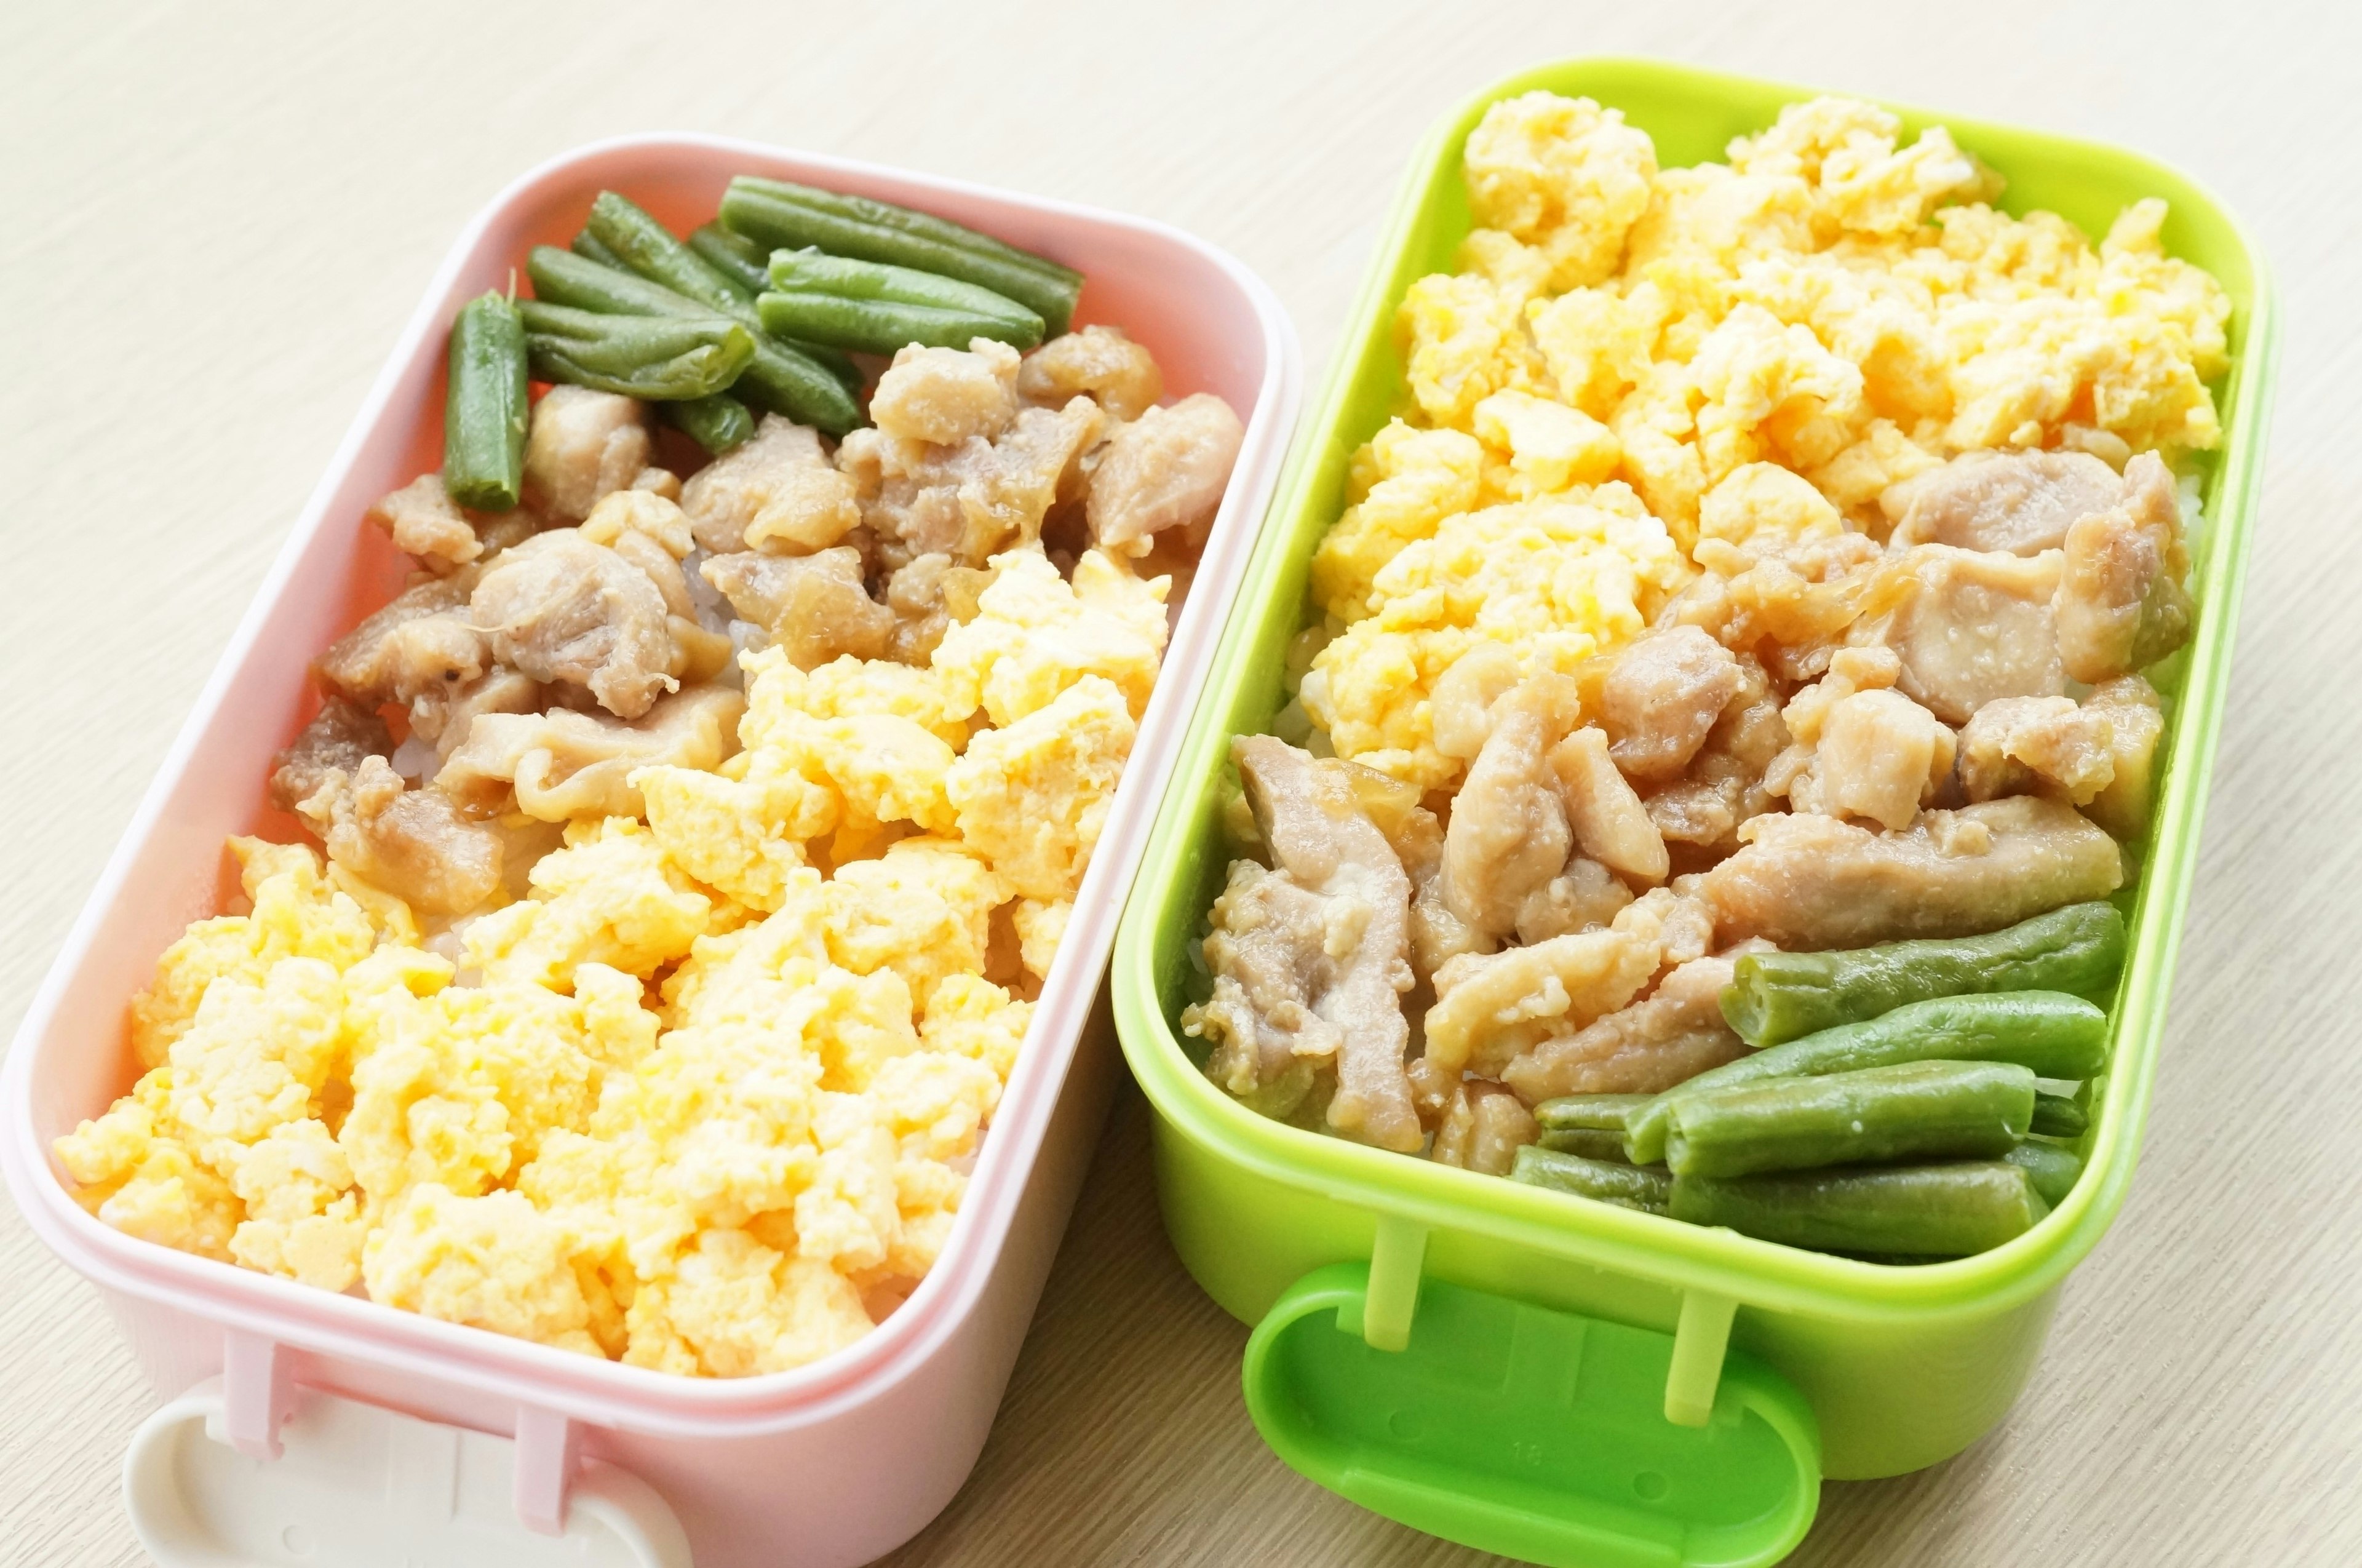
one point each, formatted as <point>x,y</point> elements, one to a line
<point>2120,605</point>
<point>945,396</point>
<point>973,500</point>
<point>1660,699</point>
<point>1510,833</point>
<point>413,844</point>
<point>1166,470</point>
<point>340,736</point>
<point>2136,725</point>
<point>1880,755</point>
<point>929,597</point>
<point>1807,882</point>
<point>441,718</point>
<point>1972,628</point>
<point>1610,823</point>
<point>813,606</point>
<point>1583,897</point>
<point>2024,743</point>
<point>1437,935</point>
<point>1269,954</point>
<point>1460,709</point>
<point>1724,783</point>
<point>562,764</point>
<point>1490,1010</point>
<point>1098,363</point>
<point>582,445</point>
<point>2018,503</point>
<point>422,518</point>
<point>779,488</point>
<point>1645,1048</point>
<point>560,608</point>
<point>1484,1127</point>
<point>1788,604</point>
<point>1320,836</point>
<point>381,660</point>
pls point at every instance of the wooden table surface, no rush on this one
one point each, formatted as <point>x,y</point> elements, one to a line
<point>213,220</point>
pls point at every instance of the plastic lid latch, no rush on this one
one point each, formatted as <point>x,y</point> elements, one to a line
<point>1542,1434</point>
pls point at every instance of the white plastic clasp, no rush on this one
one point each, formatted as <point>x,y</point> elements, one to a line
<point>356,1485</point>
<point>257,1386</point>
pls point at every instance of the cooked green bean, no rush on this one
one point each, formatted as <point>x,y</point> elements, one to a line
<point>485,398</point>
<point>886,215</point>
<point>717,422</point>
<point>2055,1036</point>
<point>1626,1187</point>
<point>2055,1116</point>
<point>586,245</point>
<point>1947,1210</point>
<point>660,357</point>
<point>872,327</point>
<point>1605,1111</point>
<point>779,217</point>
<point>1591,1143</point>
<point>566,278</point>
<point>1912,1110</point>
<point>733,254</point>
<point>2051,1168</point>
<point>1776,997</point>
<point>815,272</point>
<point>811,388</point>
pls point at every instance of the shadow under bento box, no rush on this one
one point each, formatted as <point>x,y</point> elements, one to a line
<point>1567,1381</point>
<point>343,1431</point>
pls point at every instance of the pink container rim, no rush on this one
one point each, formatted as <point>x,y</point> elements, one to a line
<point>610,1393</point>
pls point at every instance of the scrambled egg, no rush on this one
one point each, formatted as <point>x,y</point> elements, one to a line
<point>704,1099</point>
<point>1630,360</point>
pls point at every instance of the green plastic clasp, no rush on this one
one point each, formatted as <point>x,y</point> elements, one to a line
<point>1540,1434</point>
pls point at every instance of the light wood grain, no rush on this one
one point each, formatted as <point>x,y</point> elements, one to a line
<point>214,219</point>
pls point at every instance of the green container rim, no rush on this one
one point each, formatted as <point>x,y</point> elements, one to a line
<point>1682,1257</point>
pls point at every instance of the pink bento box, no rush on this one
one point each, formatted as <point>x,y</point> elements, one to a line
<point>828,1465</point>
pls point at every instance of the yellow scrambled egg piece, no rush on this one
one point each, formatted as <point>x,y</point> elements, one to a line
<point>1629,359</point>
<point>1554,581</point>
<point>706,1098</point>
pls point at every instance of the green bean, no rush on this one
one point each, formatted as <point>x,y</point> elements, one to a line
<point>2051,1169</point>
<point>2055,1116</point>
<point>1911,1111</point>
<point>886,215</point>
<point>716,423</point>
<point>815,272</point>
<point>1776,997</point>
<point>734,256</point>
<point>586,246</point>
<point>1591,1143</point>
<point>871,327</point>
<point>565,278</point>
<point>1605,1112</point>
<point>1947,1210</point>
<point>660,357</point>
<point>811,388</point>
<point>484,402</point>
<point>1626,1187</point>
<point>784,217</point>
<point>2056,1036</point>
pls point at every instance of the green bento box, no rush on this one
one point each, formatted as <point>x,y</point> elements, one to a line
<point>1564,1380</point>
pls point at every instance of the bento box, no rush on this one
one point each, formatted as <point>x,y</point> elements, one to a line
<point>341,1430</point>
<point>1575,1383</point>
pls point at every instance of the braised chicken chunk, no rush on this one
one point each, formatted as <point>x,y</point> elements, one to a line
<point>561,608</point>
<point>1098,363</point>
<point>1673,1036</point>
<point>339,737</point>
<point>2018,503</point>
<point>813,606</point>
<point>779,490</point>
<point>580,446</point>
<point>1807,882</point>
<point>560,764</point>
<point>422,519</point>
<point>1510,833</point>
<point>1166,470</point>
<point>2121,603</point>
<point>1483,1126</point>
<point>1661,699</point>
<point>1973,628</point>
<point>421,643</point>
<point>415,844</point>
